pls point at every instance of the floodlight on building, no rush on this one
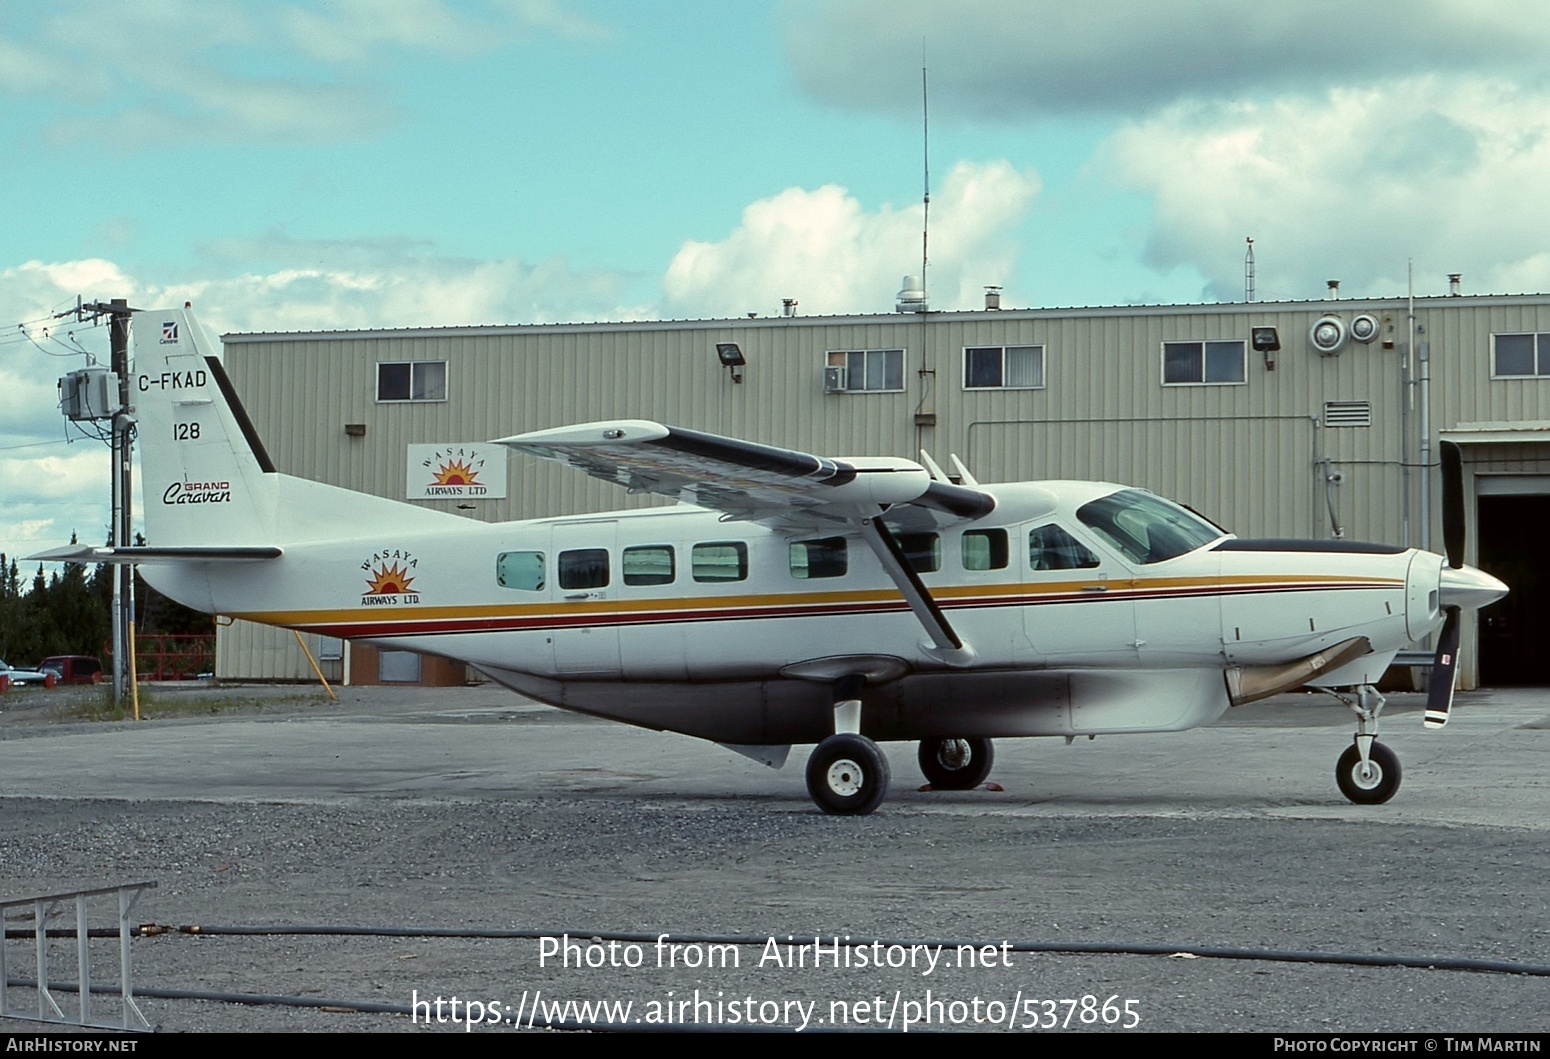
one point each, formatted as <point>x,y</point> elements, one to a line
<point>731,357</point>
<point>1266,340</point>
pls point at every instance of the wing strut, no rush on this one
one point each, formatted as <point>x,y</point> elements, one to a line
<point>945,642</point>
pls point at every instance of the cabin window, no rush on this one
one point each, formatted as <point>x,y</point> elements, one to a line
<point>1145,527</point>
<point>720,561</point>
<point>868,370</point>
<point>584,568</point>
<point>1205,363</point>
<point>650,564</point>
<point>1520,356</point>
<point>820,558</point>
<point>420,380</point>
<point>1003,368</point>
<point>923,551</point>
<point>520,570</point>
<point>985,549</point>
<point>1052,548</point>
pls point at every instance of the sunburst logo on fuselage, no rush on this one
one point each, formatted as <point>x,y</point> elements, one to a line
<point>390,578</point>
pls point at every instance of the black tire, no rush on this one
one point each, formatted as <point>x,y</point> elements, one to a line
<point>847,775</point>
<point>956,764</point>
<point>1375,788</point>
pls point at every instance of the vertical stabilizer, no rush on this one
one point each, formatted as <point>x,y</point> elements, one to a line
<point>205,475</point>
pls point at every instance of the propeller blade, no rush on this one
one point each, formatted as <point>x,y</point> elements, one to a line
<point>1452,461</point>
<point>1439,696</point>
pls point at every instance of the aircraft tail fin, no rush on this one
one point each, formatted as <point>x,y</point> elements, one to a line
<point>206,476</point>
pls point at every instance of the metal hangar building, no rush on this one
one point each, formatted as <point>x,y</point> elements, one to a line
<point>1274,419</point>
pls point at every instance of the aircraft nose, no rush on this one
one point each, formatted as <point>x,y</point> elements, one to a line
<point>1468,588</point>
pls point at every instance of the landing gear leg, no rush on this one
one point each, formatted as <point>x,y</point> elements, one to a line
<point>1368,772</point>
<point>956,764</point>
<point>847,773</point>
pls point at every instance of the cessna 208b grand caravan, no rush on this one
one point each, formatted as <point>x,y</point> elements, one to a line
<point>793,599</point>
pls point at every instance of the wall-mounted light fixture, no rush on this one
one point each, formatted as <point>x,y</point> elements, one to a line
<point>1266,341</point>
<point>732,359</point>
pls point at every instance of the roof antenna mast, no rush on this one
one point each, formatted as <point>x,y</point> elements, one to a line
<point>925,161</point>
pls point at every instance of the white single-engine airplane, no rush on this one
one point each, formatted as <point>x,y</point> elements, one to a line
<point>794,599</point>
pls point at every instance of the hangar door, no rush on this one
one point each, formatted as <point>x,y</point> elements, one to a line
<point>1515,632</point>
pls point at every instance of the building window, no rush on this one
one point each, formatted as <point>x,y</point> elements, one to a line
<point>1205,363</point>
<point>868,370</point>
<point>420,380</point>
<point>1003,368</point>
<point>1520,356</point>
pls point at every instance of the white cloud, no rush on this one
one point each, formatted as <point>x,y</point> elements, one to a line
<point>1455,175</point>
<point>159,69</point>
<point>1010,59</point>
<point>824,249</point>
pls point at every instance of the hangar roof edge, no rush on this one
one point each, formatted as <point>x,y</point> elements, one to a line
<point>744,322</point>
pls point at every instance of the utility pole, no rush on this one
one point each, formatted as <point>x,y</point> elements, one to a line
<point>123,513</point>
<point>121,531</point>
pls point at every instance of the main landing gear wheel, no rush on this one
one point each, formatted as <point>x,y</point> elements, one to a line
<point>1373,784</point>
<point>956,764</point>
<point>847,775</point>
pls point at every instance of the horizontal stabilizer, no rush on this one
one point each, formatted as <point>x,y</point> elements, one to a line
<point>187,554</point>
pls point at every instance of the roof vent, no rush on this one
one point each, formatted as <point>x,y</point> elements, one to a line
<point>912,296</point>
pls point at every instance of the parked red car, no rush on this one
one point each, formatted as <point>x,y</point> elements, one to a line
<point>73,669</point>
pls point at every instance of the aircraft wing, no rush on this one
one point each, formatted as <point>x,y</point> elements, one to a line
<point>781,488</point>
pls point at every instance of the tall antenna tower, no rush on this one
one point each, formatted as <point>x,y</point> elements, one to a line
<point>925,164</point>
<point>1248,272</point>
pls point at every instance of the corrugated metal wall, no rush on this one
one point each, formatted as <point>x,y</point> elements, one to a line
<point>1251,456</point>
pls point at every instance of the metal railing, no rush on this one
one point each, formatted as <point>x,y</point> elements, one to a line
<point>49,907</point>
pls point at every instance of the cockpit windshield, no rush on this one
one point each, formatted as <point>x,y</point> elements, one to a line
<point>1145,527</point>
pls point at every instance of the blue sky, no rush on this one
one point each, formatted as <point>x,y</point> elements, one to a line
<point>349,163</point>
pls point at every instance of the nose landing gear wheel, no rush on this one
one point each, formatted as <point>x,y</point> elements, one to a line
<point>956,764</point>
<point>847,775</point>
<point>1371,785</point>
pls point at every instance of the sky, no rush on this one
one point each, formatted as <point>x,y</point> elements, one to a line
<point>319,164</point>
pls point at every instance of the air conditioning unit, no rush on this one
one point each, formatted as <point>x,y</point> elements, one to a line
<point>834,380</point>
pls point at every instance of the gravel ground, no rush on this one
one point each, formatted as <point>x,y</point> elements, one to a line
<point>591,860</point>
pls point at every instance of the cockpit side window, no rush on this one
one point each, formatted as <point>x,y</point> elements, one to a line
<point>1052,548</point>
<point>1146,528</point>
